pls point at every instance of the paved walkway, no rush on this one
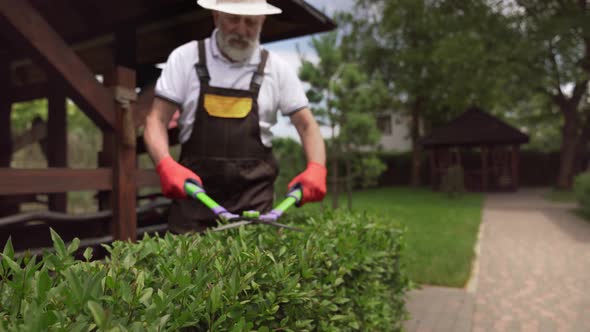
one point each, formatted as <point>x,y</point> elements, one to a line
<point>533,273</point>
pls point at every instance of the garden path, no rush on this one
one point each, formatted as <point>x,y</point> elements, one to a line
<point>532,273</point>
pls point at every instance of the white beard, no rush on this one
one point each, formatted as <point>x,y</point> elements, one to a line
<point>235,54</point>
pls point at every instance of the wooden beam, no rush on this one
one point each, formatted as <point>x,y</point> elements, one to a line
<point>57,142</point>
<point>125,46</point>
<point>30,92</point>
<point>59,180</point>
<point>18,19</point>
<point>147,178</point>
<point>56,180</point>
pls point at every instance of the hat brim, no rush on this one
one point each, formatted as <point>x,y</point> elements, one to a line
<point>240,8</point>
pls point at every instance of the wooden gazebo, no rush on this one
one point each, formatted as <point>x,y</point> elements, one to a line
<point>486,148</point>
<point>56,50</point>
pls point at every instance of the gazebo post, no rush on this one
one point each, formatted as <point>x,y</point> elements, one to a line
<point>57,140</point>
<point>484,168</point>
<point>432,155</point>
<point>5,112</point>
<point>5,127</point>
<point>123,80</point>
<point>515,166</point>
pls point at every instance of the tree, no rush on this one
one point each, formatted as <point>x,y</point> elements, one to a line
<point>434,56</point>
<point>553,52</point>
<point>346,100</point>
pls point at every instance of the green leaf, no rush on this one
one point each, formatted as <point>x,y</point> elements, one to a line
<point>215,297</point>
<point>12,264</point>
<point>98,314</point>
<point>146,296</point>
<point>88,254</point>
<point>58,244</point>
<point>8,249</point>
<point>282,251</point>
<point>140,282</point>
<point>43,285</point>
<point>163,321</point>
<point>73,246</point>
<point>74,284</point>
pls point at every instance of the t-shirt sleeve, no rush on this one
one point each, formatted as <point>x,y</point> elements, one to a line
<point>292,96</point>
<point>173,81</point>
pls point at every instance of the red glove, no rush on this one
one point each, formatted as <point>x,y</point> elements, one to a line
<point>172,177</point>
<point>313,181</point>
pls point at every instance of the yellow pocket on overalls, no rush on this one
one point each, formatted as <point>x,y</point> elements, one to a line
<point>227,107</point>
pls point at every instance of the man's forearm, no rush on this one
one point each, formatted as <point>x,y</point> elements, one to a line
<point>156,139</point>
<point>311,137</point>
<point>313,144</point>
<point>155,135</point>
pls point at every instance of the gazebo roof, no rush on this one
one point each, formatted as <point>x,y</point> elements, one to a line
<point>474,127</point>
<point>89,28</point>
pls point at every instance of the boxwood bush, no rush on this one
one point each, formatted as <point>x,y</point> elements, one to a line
<point>342,273</point>
<point>582,190</point>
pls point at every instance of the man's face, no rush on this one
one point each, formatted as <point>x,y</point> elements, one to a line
<point>239,34</point>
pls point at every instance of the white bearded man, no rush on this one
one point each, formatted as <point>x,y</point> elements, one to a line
<point>229,90</point>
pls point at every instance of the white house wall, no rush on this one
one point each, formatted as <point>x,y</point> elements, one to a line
<point>399,138</point>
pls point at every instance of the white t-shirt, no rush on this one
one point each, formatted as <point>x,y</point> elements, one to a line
<point>281,89</point>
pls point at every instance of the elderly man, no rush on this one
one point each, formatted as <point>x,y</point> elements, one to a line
<point>229,90</point>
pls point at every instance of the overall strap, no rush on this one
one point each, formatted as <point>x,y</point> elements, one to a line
<point>258,76</point>
<point>201,66</point>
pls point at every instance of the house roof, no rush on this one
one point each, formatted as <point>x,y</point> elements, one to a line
<point>474,127</point>
<point>161,25</point>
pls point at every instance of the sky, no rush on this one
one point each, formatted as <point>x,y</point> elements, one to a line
<point>288,50</point>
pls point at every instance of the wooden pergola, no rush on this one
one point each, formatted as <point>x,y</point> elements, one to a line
<point>486,148</point>
<point>56,50</point>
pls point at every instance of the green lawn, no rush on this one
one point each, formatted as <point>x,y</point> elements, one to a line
<point>441,232</point>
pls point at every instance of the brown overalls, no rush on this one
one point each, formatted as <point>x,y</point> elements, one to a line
<point>226,151</point>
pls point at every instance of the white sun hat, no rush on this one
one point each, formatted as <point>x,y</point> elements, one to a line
<point>240,7</point>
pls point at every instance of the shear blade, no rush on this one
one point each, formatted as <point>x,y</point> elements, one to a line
<point>231,225</point>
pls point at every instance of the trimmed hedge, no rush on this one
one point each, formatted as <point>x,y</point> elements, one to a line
<point>582,190</point>
<point>342,273</point>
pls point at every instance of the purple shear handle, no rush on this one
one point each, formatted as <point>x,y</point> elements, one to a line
<point>222,213</point>
<point>272,215</point>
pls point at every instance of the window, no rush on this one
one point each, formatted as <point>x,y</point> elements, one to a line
<point>384,124</point>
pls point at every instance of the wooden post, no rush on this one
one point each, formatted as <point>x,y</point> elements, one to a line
<point>57,141</point>
<point>432,158</point>
<point>105,159</point>
<point>5,112</point>
<point>124,224</point>
<point>515,165</point>
<point>124,195</point>
<point>5,127</point>
<point>484,168</point>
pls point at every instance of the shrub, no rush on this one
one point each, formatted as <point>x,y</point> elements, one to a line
<point>342,273</point>
<point>582,190</point>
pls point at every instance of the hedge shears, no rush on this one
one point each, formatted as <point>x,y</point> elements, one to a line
<point>194,190</point>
